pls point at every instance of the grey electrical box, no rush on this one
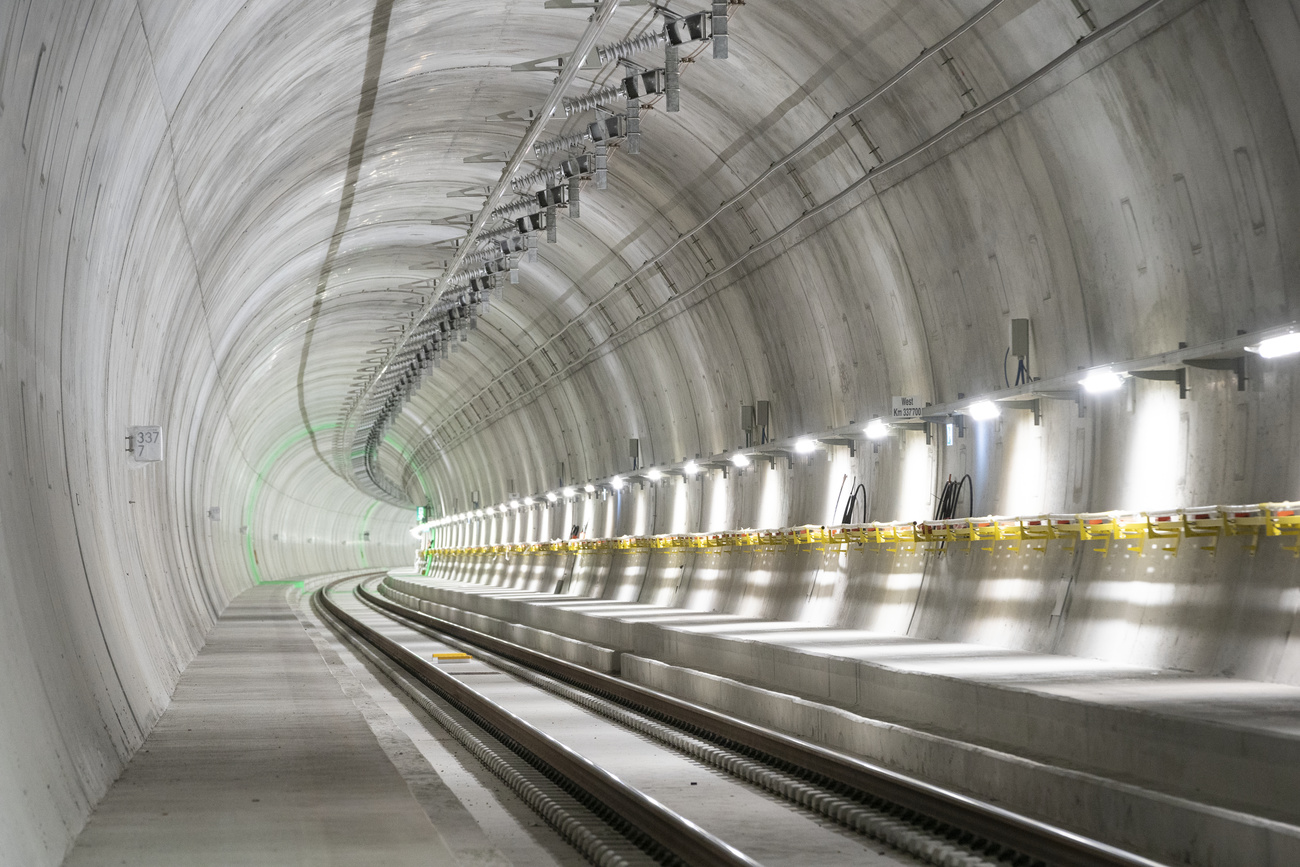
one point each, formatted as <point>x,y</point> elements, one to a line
<point>634,448</point>
<point>747,418</point>
<point>146,443</point>
<point>763,412</point>
<point>1020,338</point>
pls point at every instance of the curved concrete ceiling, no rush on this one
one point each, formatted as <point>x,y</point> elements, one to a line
<point>220,217</point>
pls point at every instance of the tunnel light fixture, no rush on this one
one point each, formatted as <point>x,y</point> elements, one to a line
<point>1276,347</point>
<point>1222,355</point>
<point>983,410</point>
<point>1101,381</point>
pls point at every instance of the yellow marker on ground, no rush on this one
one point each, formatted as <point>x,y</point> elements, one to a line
<point>451,656</point>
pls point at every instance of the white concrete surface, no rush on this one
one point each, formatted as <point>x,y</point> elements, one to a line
<point>1187,769</point>
<point>260,759</point>
<point>763,826</point>
<point>213,212</point>
<point>481,820</point>
<point>1136,814</point>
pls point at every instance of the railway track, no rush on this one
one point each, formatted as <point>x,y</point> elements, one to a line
<point>839,807</point>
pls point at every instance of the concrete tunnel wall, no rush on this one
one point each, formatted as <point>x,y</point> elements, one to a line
<point>212,210</point>
<point>1073,212</point>
<point>116,312</point>
<point>1116,209</point>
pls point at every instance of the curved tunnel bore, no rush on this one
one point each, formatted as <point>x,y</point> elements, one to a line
<point>221,219</point>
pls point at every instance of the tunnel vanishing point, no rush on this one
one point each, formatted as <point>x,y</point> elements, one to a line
<point>916,378</point>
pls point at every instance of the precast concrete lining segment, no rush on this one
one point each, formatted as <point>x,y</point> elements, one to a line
<point>111,319</point>
<point>585,43</point>
<point>874,172</point>
<point>833,124</point>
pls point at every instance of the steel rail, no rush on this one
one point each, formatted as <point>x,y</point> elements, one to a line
<point>1027,836</point>
<point>669,830</point>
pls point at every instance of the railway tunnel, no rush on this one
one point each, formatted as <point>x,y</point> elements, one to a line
<point>823,432</point>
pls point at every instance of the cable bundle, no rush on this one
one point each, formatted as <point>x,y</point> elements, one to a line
<point>847,518</point>
<point>951,495</point>
<point>1022,369</point>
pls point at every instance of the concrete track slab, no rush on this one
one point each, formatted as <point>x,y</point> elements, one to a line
<point>1230,743</point>
<point>260,759</point>
<point>760,824</point>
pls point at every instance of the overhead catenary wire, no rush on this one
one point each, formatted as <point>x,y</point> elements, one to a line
<point>835,121</point>
<point>346,452</point>
<point>490,212</point>
<point>849,190</point>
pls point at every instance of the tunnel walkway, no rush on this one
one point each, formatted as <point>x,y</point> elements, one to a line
<point>259,759</point>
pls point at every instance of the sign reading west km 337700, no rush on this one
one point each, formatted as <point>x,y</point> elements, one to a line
<point>908,407</point>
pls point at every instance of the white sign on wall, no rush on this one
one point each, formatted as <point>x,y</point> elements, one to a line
<point>146,443</point>
<point>908,407</point>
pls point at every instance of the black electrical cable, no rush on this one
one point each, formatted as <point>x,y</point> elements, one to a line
<point>950,497</point>
<point>1022,369</point>
<point>847,517</point>
<point>944,505</point>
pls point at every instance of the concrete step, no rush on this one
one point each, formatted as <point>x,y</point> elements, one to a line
<point>1210,760</point>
